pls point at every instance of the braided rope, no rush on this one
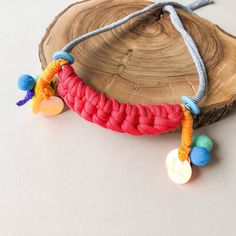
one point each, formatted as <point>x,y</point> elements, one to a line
<point>124,117</point>
<point>108,113</point>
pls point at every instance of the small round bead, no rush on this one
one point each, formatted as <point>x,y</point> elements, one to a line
<point>200,156</point>
<point>63,55</point>
<point>191,105</point>
<point>26,83</point>
<point>202,141</point>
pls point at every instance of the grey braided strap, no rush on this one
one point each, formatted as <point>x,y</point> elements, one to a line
<point>193,50</point>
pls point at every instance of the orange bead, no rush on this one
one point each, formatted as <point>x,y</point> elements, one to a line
<point>52,106</point>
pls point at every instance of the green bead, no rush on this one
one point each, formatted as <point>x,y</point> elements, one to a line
<point>202,141</point>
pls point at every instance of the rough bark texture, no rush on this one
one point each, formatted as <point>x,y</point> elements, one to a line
<point>145,60</point>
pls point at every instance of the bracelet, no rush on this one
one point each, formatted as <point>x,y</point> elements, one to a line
<point>137,119</point>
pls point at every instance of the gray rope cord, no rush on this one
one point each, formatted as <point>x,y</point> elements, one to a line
<point>193,50</point>
<point>169,7</point>
<point>199,3</point>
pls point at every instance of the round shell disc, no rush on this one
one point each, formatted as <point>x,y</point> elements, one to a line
<point>179,171</point>
<point>52,106</point>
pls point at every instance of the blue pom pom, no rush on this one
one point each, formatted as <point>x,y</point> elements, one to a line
<point>200,156</point>
<point>26,83</point>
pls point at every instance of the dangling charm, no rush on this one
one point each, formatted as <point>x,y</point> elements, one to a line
<point>194,151</point>
<point>40,90</point>
<point>52,106</point>
<point>179,171</point>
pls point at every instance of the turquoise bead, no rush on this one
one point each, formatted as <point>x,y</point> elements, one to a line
<point>202,141</point>
<point>63,55</point>
<point>26,83</point>
<point>190,105</point>
<point>199,156</point>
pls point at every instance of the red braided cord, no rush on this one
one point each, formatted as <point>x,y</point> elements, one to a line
<point>108,113</point>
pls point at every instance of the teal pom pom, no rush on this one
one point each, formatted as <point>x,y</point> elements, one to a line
<point>200,156</point>
<point>26,83</point>
<point>202,141</point>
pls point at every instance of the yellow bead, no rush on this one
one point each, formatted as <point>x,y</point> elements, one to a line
<point>52,106</point>
<point>179,171</point>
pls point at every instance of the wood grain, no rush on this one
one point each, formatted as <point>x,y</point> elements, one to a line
<point>145,60</point>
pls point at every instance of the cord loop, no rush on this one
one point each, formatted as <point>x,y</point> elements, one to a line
<point>188,40</point>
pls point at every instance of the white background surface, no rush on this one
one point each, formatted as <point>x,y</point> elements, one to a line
<point>65,177</point>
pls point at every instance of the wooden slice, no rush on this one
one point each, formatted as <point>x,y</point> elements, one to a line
<point>145,60</point>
